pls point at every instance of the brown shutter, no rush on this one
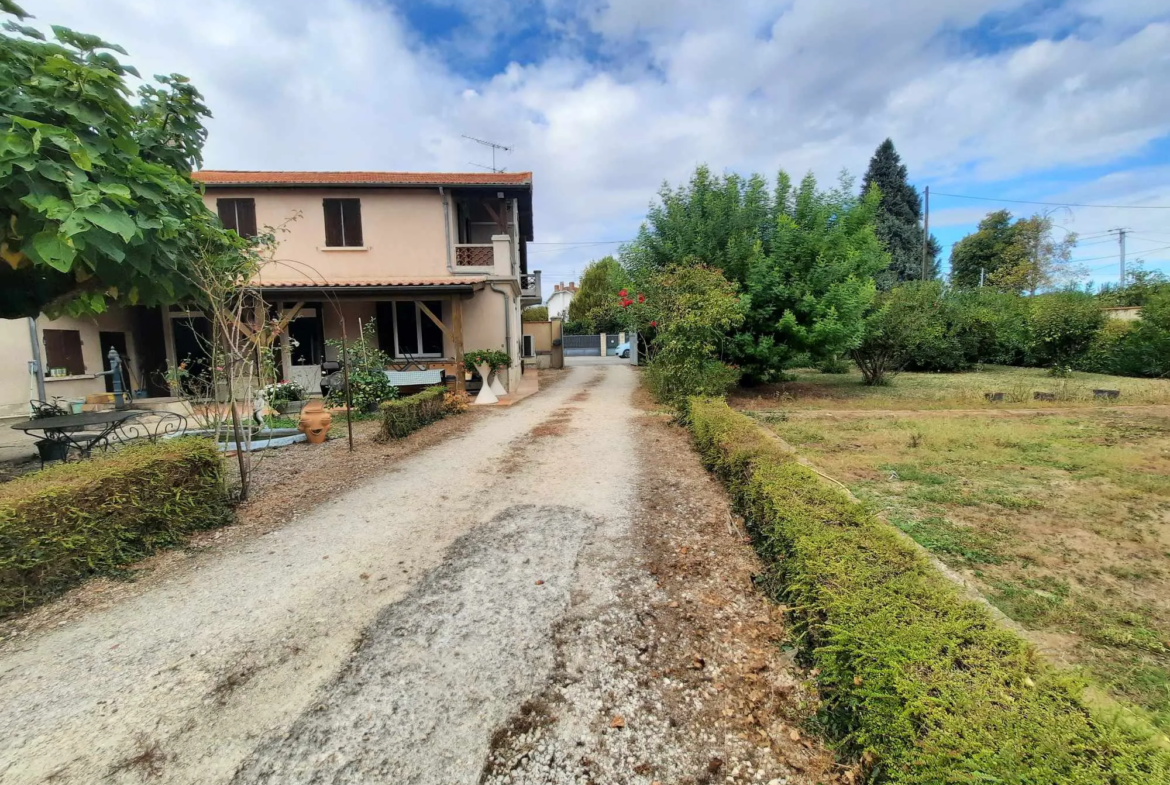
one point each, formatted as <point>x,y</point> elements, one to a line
<point>227,213</point>
<point>246,217</point>
<point>333,233</point>
<point>63,350</point>
<point>351,216</point>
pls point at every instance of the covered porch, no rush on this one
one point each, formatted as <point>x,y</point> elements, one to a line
<point>422,325</point>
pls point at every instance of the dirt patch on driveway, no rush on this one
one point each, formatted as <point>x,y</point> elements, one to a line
<point>669,666</point>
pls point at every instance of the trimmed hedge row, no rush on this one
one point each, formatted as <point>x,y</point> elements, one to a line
<point>404,416</point>
<point>916,680</point>
<point>70,521</point>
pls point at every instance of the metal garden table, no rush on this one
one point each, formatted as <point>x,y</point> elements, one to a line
<point>82,432</point>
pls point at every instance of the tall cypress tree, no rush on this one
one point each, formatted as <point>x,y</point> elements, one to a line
<point>899,218</point>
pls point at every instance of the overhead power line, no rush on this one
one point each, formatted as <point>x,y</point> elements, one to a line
<point>1114,256</point>
<point>1059,204</point>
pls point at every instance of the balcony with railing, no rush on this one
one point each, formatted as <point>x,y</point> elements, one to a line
<point>475,255</point>
<point>530,289</point>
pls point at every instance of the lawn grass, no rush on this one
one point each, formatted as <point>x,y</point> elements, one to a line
<point>811,389</point>
<point>1062,518</point>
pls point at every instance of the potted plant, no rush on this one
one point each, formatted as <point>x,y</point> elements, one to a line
<point>488,363</point>
<point>284,397</point>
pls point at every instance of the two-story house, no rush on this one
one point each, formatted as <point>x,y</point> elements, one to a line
<point>387,246</point>
<point>393,247</point>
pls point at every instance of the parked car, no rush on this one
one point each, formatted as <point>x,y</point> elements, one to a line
<point>623,350</point>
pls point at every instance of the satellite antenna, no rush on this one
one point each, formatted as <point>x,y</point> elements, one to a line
<point>494,147</point>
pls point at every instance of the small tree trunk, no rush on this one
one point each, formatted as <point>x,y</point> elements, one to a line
<point>237,431</point>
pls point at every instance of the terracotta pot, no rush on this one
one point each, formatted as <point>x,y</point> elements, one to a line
<point>315,422</point>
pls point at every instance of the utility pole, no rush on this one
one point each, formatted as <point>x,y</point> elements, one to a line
<point>1121,244</point>
<point>1121,232</point>
<point>981,271</point>
<point>926,233</point>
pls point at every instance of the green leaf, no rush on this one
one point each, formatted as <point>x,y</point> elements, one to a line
<point>25,30</point>
<point>113,221</point>
<point>48,247</point>
<point>10,7</point>
<point>54,207</point>
<point>115,189</point>
<point>81,158</point>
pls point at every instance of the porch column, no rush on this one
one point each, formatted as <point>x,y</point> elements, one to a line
<point>285,354</point>
<point>457,340</point>
<point>502,255</point>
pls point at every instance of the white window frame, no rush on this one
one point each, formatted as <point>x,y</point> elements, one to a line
<point>528,346</point>
<point>418,317</point>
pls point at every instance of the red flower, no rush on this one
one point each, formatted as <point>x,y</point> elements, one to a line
<point>622,294</point>
<point>641,298</point>
<point>627,303</point>
<point>653,324</point>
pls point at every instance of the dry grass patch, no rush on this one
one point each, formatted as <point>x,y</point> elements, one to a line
<point>815,390</point>
<point>1062,519</point>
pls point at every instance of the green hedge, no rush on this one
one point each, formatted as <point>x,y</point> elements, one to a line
<point>65,523</point>
<point>405,416</point>
<point>914,677</point>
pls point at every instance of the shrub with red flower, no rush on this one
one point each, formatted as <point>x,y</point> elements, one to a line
<point>622,294</point>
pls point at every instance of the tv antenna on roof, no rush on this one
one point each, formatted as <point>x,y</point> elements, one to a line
<point>494,147</point>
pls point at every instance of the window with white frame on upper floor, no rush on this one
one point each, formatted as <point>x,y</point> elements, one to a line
<point>239,215</point>
<point>343,223</point>
<point>404,330</point>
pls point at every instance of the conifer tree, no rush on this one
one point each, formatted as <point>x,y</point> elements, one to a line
<point>899,220</point>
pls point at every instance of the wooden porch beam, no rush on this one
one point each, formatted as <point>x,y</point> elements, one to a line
<point>457,339</point>
<point>438,322</point>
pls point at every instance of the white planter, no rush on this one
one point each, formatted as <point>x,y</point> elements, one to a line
<point>486,395</point>
<point>497,386</point>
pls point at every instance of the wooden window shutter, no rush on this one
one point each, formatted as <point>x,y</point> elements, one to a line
<point>334,237</point>
<point>246,217</point>
<point>63,350</point>
<point>227,213</point>
<point>351,221</point>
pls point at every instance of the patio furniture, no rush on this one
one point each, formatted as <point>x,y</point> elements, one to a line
<point>150,426</point>
<point>82,432</point>
<point>414,381</point>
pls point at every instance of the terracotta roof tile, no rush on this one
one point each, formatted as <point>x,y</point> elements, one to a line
<point>222,177</point>
<point>380,283</point>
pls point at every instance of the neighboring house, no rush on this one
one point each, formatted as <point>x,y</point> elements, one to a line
<point>352,245</point>
<point>558,301</point>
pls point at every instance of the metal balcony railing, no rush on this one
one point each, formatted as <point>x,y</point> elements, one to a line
<point>475,255</point>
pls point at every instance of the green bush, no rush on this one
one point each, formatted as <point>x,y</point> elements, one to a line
<point>671,381</point>
<point>405,416</point>
<point>914,678</point>
<point>70,521</point>
<point>1062,325</point>
<point>1107,348</point>
<point>1146,349</point>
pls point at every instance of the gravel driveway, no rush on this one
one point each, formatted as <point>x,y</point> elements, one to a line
<point>400,633</point>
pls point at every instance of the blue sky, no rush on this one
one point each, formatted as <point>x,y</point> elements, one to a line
<point>1035,100</point>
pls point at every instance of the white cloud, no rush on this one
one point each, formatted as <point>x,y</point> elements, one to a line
<point>749,85</point>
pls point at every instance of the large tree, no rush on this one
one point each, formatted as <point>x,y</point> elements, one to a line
<point>96,201</point>
<point>805,259</point>
<point>899,219</point>
<point>595,307</point>
<point>809,293</point>
<point>1023,256</point>
<point>984,251</point>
